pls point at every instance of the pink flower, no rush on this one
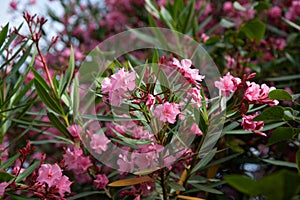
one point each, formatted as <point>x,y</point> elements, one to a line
<point>124,79</point>
<point>99,143</point>
<point>3,185</point>
<point>144,189</point>
<point>49,174</point>
<point>254,126</point>
<point>167,112</point>
<point>194,93</point>
<point>150,101</point>
<point>139,133</point>
<point>82,178</point>
<point>14,5</point>
<point>275,12</point>
<point>125,165</point>
<point>101,181</point>
<point>195,129</point>
<point>185,68</point>
<point>227,84</point>
<point>230,62</point>
<point>259,94</point>
<point>63,185</point>
<point>294,11</point>
<point>32,1</point>
<point>75,130</point>
<point>227,6</point>
<point>52,176</point>
<point>76,160</point>
<point>117,85</point>
<point>278,43</point>
<point>204,37</point>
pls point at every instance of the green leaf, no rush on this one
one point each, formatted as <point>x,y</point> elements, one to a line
<point>58,124</point>
<point>243,184</point>
<point>298,160</point>
<point>69,73</point>
<point>10,161</point>
<point>40,79</point>
<point>284,78</point>
<point>109,118</point>
<point>280,163</point>
<point>3,34</point>
<point>17,65</point>
<point>151,7</point>
<point>204,161</point>
<point>266,128</point>
<point>10,40</point>
<point>207,189</point>
<point>275,113</point>
<point>292,24</point>
<point>226,23</point>
<point>281,134</point>
<point>27,171</point>
<point>5,177</point>
<point>281,95</point>
<point>188,20</point>
<point>75,97</point>
<point>16,197</point>
<point>167,18</point>
<point>50,102</point>
<point>176,186</point>
<point>254,29</point>
<point>280,185</point>
<point>261,6</point>
<point>85,194</point>
<point>222,160</point>
<point>238,6</point>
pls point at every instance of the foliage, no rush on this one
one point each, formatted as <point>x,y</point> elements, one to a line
<point>151,102</point>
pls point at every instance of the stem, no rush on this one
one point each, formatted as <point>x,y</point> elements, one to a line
<point>45,66</point>
<point>163,184</point>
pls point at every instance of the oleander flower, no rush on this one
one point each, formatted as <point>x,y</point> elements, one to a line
<point>99,143</point>
<point>254,126</point>
<point>49,174</point>
<point>184,67</point>
<point>101,181</point>
<point>167,112</point>
<point>227,84</point>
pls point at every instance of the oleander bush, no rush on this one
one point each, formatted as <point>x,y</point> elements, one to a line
<point>209,111</point>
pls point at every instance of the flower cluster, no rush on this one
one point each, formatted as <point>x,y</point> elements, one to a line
<point>51,177</point>
<point>253,94</point>
<point>116,86</point>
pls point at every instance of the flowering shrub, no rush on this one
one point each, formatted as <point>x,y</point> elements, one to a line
<point>78,122</point>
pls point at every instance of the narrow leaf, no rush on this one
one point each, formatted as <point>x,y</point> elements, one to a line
<point>205,160</point>
<point>280,163</point>
<point>298,160</point>
<point>50,102</point>
<point>28,171</point>
<point>238,6</point>
<point>10,161</point>
<point>85,194</point>
<point>3,34</point>
<point>58,124</point>
<point>188,197</point>
<point>69,73</point>
<point>130,181</point>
